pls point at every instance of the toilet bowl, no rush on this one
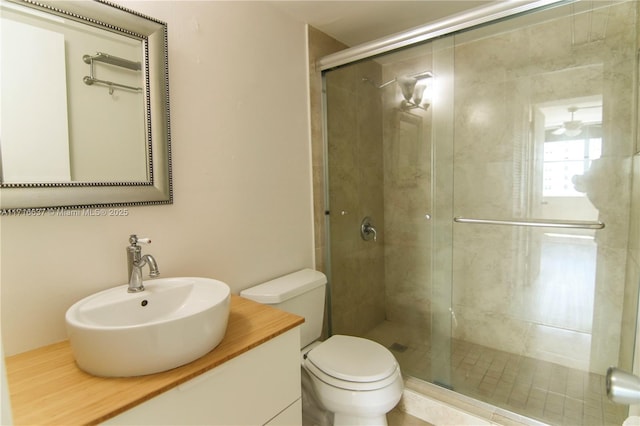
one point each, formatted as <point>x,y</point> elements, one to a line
<point>356,379</point>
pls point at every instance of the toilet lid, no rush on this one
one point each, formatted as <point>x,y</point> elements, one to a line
<point>353,359</point>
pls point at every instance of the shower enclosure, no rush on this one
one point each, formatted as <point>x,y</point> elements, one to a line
<point>493,165</point>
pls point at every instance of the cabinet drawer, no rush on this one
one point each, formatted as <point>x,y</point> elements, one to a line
<point>250,389</point>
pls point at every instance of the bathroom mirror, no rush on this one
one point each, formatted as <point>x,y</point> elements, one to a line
<point>85,106</point>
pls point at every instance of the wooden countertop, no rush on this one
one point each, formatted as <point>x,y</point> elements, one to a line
<point>46,386</point>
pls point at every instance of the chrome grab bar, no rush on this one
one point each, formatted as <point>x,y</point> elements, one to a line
<point>111,60</point>
<point>90,80</point>
<point>574,224</point>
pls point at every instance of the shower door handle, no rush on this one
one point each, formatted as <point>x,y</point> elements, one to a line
<point>540,223</point>
<point>367,230</point>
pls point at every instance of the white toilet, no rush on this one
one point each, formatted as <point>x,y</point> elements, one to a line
<point>356,379</point>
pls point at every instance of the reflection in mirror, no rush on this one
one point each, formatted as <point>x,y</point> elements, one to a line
<point>568,148</point>
<point>406,149</point>
<point>84,117</point>
<point>55,127</point>
<point>571,143</point>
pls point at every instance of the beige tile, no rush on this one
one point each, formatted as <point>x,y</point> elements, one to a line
<point>397,417</point>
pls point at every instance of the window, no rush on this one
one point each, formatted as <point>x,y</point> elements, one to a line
<point>565,159</point>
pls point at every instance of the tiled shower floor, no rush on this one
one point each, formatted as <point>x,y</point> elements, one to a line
<point>542,390</point>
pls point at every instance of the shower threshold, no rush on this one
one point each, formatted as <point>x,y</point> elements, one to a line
<point>437,405</point>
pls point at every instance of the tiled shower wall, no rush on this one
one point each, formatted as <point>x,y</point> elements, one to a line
<point>355,183</point>
<point>407,199</point>
<point>320,45</point>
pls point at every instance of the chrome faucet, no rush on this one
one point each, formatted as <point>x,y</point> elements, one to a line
<point>135,262</point>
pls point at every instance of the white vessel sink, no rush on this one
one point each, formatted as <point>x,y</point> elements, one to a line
<point>172,322</point>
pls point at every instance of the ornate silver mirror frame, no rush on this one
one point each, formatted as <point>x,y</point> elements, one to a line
<point>158,189</point>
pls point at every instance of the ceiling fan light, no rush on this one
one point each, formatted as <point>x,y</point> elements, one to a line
<point>573,125</point>
<point>573,132</point>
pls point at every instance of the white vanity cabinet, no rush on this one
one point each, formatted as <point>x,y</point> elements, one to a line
<point>261,386</point>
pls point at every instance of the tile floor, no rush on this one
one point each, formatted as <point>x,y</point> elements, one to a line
<point>541,390</point>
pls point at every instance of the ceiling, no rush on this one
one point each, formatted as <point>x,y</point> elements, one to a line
<point>355,22</point>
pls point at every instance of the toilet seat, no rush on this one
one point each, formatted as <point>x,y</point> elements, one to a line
<point>353,363</point>
<point>349,385</point>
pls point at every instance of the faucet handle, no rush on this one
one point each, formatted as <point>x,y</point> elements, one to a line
<point>367,230</point>
<point>133,240</point>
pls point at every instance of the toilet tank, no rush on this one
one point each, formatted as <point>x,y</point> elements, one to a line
<point>301,293</point>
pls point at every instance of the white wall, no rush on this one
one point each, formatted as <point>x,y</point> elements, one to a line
<point>242,176</point>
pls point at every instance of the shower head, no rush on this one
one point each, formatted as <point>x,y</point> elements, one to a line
<point>405,78</point>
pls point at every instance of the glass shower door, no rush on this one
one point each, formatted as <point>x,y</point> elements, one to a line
<point>381,117</point>
<point>542,158</point>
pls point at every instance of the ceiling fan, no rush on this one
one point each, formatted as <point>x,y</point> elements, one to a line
<point>570,128</point>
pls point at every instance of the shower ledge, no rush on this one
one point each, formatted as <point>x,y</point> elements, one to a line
<point>437,405</point>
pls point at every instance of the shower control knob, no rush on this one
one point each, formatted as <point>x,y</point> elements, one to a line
<point>367,230</point>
